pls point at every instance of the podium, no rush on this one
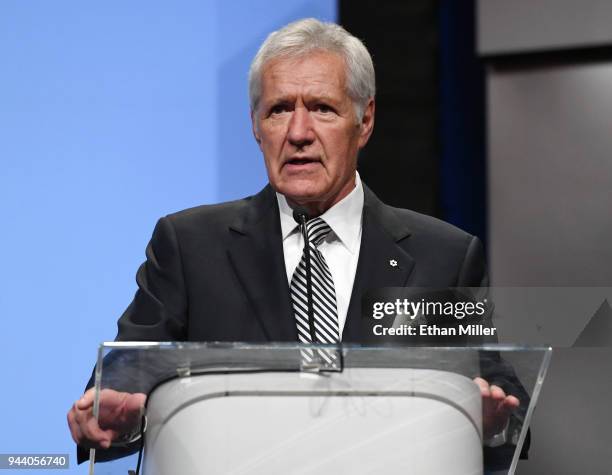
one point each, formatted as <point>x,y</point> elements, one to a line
<point>221,408</point>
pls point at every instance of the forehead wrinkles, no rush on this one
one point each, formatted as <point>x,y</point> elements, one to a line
<point>312,75</point>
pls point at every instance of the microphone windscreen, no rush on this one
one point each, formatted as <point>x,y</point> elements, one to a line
<point>300,214</point>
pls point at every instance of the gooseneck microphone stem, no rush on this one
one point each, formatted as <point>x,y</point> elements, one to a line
<point>301,216</point>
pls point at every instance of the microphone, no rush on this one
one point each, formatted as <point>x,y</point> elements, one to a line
<point>300,214</point>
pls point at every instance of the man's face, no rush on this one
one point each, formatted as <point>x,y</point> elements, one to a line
<point>307,129</point>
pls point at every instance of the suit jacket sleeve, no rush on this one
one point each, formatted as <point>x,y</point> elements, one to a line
<point>473,272</point>
<point>158,311</point>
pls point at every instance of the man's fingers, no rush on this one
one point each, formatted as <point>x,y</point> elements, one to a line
<point>483,385</point>
<point>497,393</point>
<point>86,400</point>
<point>512,402</point>
<point>95,438</point>
<point>501,402</point>
<point>85,431</point>
<point>496,407</point>
<point>118,413</point>
<point>135,402</point>
<point>89,432</point>
<point>75,431</point>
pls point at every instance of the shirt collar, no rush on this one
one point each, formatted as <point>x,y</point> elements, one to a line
<point>344,218</point>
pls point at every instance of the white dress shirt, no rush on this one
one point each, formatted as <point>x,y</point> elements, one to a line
<point>340,248</point>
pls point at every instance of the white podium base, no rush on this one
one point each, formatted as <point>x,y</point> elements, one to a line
<point>415,422</point>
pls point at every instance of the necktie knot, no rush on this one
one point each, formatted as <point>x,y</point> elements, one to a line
<point>318,230</point>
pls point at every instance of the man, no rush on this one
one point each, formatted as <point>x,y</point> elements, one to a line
<point>235,271</point>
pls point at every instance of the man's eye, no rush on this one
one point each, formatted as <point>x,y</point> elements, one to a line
<point>324,108</point>
<point>278,109</point>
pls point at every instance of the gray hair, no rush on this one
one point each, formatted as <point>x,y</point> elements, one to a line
<point>303,36</point>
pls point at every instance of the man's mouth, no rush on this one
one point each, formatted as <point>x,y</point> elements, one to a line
<point>301,161</point>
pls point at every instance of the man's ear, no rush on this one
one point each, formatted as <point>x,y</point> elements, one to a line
<point>255,128</point>
<point>367,123</point>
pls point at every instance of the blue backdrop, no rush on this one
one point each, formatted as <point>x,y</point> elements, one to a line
<point>111,115</point>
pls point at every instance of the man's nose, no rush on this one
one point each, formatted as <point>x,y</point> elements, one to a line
<point>300,131</point>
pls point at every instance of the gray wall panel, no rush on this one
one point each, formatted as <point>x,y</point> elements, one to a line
<point>550,224</point>
<point>550,176</point>
<point>527,25</point>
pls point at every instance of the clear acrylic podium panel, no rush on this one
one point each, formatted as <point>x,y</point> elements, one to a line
<point>246,408</point>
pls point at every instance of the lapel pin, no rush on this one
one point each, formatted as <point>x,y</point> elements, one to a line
<point>393,263</point>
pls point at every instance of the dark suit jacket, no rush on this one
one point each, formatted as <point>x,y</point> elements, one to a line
<point>217,273</point>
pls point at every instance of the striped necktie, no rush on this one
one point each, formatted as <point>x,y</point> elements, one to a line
<point>325,312</point>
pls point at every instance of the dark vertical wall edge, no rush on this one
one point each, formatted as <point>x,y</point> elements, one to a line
<point>401,161</point>
<point>428,149</point>
<point>463,196</point>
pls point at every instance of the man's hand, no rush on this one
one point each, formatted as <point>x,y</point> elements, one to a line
<point>120,413</point>
<point>496,408</point>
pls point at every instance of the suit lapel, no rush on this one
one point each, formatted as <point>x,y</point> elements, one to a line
<point>382,260</point>
<point>256,254</point>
